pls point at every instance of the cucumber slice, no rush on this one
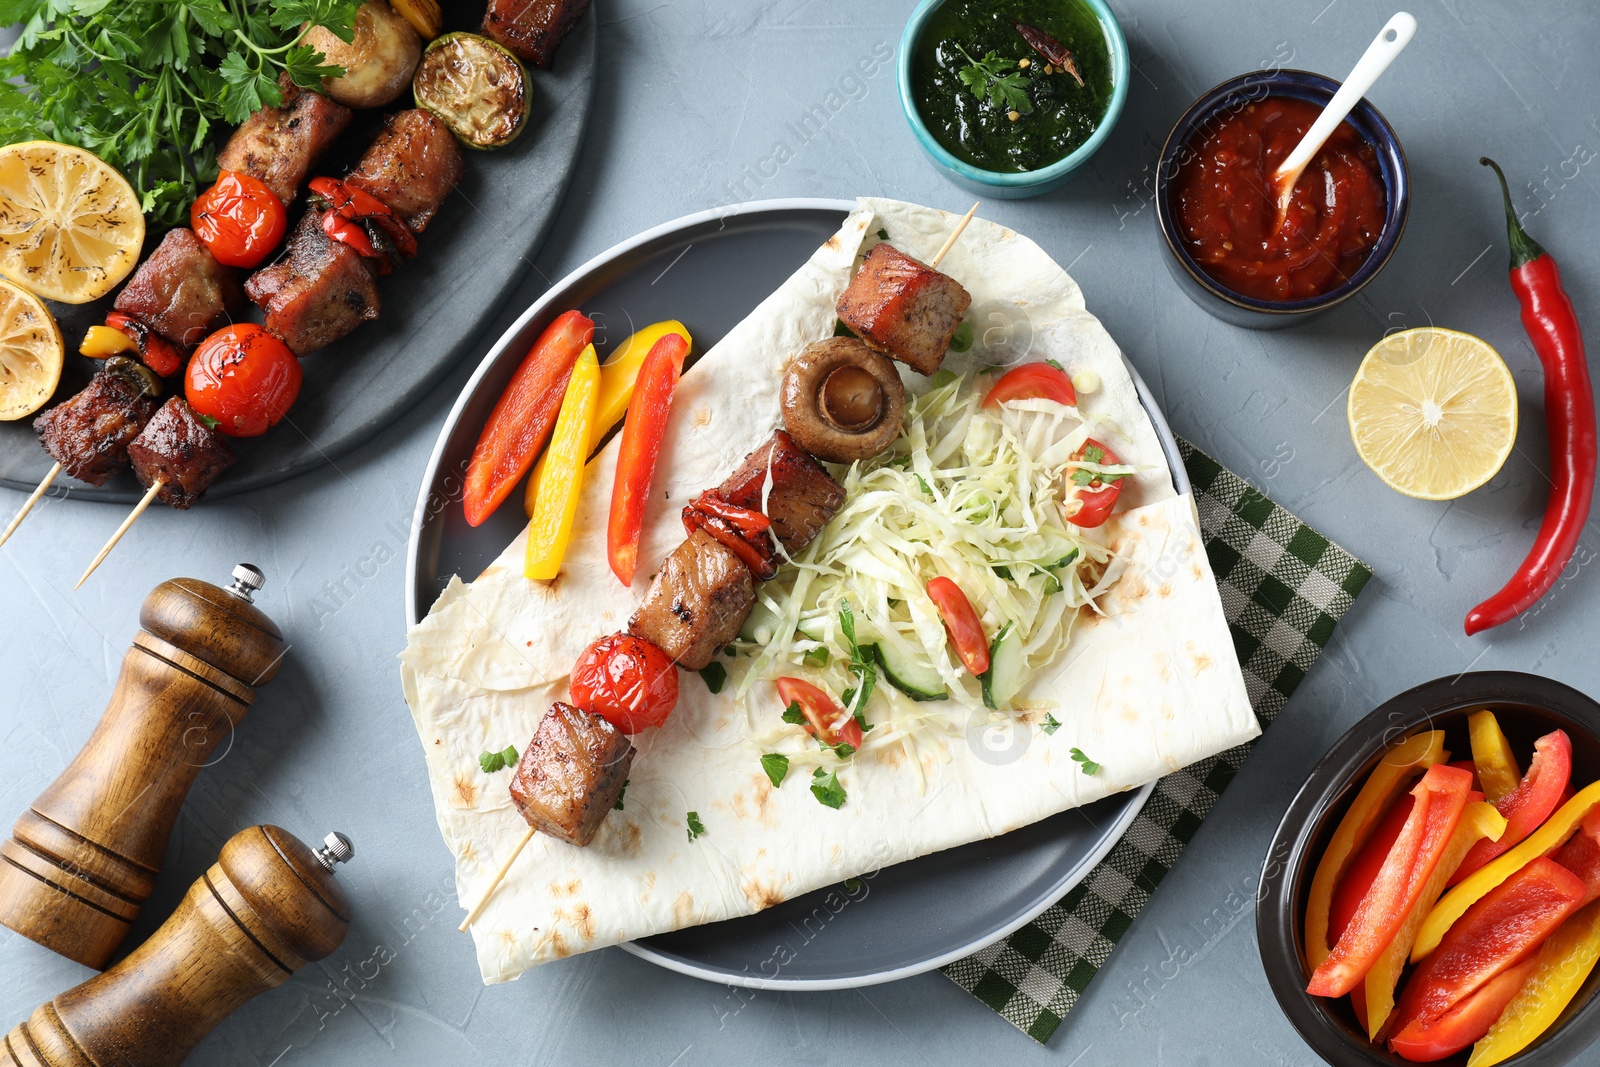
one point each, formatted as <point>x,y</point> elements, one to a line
<point>1008,669</point>
<point>913,676</point>
<point>761,625</point>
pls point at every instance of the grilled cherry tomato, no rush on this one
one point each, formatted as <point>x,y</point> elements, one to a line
<point>1088,499</point>
<point>1032,381</point>
<point>626,681</point>
<point>961,624</point>
<point>821,713</point>
<point>239,219</point>
<point>243,378</point>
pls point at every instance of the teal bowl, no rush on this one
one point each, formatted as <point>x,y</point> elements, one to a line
<point>1014,185</point>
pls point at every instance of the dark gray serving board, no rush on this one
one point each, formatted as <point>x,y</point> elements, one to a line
<point>469,261</point>
<point>710,270</point>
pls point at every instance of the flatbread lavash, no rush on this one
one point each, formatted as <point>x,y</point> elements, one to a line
<point>1153,686</point>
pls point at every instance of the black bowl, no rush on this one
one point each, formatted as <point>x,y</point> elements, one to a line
<point>1227,98</point>
<point>1527,707</point>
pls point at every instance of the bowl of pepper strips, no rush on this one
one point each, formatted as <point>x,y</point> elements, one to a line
<point>1433,891</point>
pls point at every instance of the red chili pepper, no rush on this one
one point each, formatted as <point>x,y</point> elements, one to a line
<point>1552,326</point>
<point>643,430</point>
<point>159,354</point>
<point>1440,798</point>
<point>1528,805</point>
<point>1498,932</point>
<point>961,624</point>
<point>522,418</point>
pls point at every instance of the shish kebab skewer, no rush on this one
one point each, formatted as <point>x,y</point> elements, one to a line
<point>704,560</point>
<point>321,288</point>
<point>179,294</point>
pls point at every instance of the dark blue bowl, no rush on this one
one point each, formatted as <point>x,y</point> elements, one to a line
<point>1226,99</point>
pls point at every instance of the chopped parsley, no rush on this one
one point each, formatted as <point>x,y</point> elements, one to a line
<point>962,339</point>
<point>926,488</point>
<point>1087,765</point>
<point>496,761</point>
<point>863,662</point>
<point>777,767</point>
<point>852,885</point>
<point>696,827</point>
<point>997,78</point>
<point>1056,365</point>
<point>841,330</point>
<point>793,715</point>
<point>620,794</point>
<point>1093,454</point>
<point>817,657</point>
<point>715,675</point>
<point>826,788</point>
<point>842,749</point>
<point>883,235</point>
<point>1050,725</point>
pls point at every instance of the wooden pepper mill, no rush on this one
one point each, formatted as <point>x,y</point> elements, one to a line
<point>84,858</point>
<point>266,908</point>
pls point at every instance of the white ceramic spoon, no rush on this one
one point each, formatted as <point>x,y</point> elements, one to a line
<point>1383,50</point>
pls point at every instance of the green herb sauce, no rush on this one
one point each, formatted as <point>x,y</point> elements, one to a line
<point>980,131</point>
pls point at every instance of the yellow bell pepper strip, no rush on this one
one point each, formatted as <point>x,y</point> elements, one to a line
<point>617,377</point>
<point>1564,963</point>
<point>1497,764</point>
<point>560,475</point>
<point>1542,842</point>
<point>103,342</point>
<point>1479,822</point>
<point>1398,768</point>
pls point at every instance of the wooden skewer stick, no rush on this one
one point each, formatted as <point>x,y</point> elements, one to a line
<point>27,505</point>
<point>138,509</point>
<point>483,902</point>
<point>951,240</point>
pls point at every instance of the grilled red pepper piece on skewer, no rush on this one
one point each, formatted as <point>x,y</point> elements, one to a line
<point>1541,791</point>
<point>1439,799</point>
<point>643,430</point>
<point>159,354</point>
<point>524,415</point>
<point>739,530</point>
<point>1552,326</point>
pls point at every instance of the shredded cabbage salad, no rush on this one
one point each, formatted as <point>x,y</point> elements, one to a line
<point>970,493</point>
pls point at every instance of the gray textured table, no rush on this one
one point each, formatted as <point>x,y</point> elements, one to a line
<point>693,103</point>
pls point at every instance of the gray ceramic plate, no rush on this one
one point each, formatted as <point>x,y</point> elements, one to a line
<point>710,270</point>
<point>469,261</point>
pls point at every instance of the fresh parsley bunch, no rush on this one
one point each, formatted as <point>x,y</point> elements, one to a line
<point>997,78</point>
<point>149,85</point>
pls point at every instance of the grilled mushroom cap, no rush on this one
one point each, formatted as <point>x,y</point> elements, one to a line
<point>842,401</point>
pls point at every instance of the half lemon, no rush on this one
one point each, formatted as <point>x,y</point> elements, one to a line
<point>31,352</point>
<point>70,225</point>
<point>1433,412</point>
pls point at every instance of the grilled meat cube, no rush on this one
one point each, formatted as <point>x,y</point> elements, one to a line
<point>571,773</point>
<point>697,602</point>
<point>904,308</point>
<point>320,289</point>
<point>180,451</point>
<point>803,498</point>
<point>181,291</point>
<point>278,145</point>
<point>412,166</point>
<point>90,433</point>
<point>533,29</point>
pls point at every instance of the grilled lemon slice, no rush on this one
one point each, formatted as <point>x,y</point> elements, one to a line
<point>31,351</point>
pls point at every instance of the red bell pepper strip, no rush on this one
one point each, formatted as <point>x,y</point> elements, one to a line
<point>1365,865</point>
<point>643,430</point>
<point>1528,805</point>
<point>1032,381</point>
<point>1498,932</point>
<point>1552,326</point>
<point>1090,496</point>
<point>524,415</point>
<point>1440,798</point>
<point>961,624</point>
<point>1467,1021</point>
<point>1581,854</point>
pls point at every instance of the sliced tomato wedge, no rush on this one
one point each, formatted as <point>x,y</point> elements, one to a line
<point>1528,805</point>
<point>1032,381</point>
<point>1089,499</point>
<point>1438,801</point>
<point>643,431</point>
<point>822,714</point>
<point>961,624</point>
<point>523,417</point>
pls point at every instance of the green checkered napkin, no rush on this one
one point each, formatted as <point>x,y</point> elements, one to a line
<point>1284,587</point>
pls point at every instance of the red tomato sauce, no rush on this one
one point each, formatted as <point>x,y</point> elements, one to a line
<point>1228,216</point>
